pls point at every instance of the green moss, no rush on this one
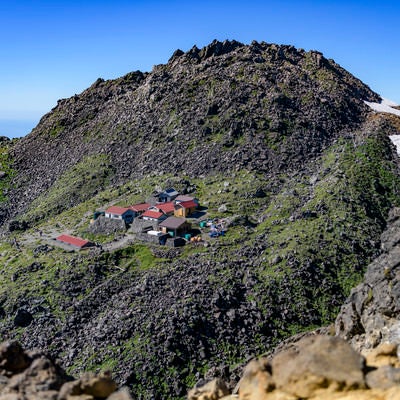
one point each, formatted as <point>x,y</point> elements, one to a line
<point>56,130</point>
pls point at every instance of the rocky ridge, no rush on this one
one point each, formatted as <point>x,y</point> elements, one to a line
<point>231,106</point>
<point>326,367</point>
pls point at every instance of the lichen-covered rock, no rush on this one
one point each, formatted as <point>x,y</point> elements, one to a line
<point>100,386</point>
<point>256,380</point>
<point>122,394</point>
<point>383,378</point>
<point>385,354</point>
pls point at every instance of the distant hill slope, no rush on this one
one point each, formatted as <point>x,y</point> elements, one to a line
<point>228,106</point>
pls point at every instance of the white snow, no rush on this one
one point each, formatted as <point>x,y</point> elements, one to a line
<point>396,141</point>
<point>386,106</point>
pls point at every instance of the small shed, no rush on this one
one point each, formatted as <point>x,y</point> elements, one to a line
<point>167,195</point>
<point>125,214</point>
<point>74,241</point>
<point>175,226</point>
<point>184,208</point>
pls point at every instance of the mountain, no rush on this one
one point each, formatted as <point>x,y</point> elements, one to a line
<point>226,107</point>
<point>276,141</point>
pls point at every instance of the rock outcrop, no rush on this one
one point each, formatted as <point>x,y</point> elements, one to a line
<point>370,315</point>
<point>315,368</point>
<point>32,375</point>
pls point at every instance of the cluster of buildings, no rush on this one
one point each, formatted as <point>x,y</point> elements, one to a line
<point>166,212</point>
<point>162,217</point>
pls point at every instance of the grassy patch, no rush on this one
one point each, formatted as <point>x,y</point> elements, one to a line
<point>137,256</point>
<point>320,233</point>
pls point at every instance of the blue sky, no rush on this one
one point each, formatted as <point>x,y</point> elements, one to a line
<point>54,49</point>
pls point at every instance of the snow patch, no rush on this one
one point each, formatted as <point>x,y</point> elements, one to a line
<point>384,106</point>
<point>396,141</point>
<point>387,106</point>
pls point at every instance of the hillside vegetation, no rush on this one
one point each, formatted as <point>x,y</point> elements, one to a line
<point>279,137</point>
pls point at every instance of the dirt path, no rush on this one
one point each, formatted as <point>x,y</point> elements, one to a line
<point>126,240</point>
<point>37,238</point>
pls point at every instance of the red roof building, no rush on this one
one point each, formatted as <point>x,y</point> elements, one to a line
<point>166,208</point>
<point>74,241</point>
<point>188,204</point>
<point>116,210</point>
<point>139,208</point>
<point>122,213</point>
<point>153,215</point>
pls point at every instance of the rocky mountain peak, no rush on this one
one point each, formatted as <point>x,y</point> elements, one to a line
<point>230,106</point>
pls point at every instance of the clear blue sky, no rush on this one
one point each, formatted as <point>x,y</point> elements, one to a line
<point>54,49</point>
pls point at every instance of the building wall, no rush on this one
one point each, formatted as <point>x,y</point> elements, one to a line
<point>128,216</point>
<point>113,216</point>
<point>180,212</point>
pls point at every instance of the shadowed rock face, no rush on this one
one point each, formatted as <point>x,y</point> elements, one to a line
<point>227,106</point>
<point>370,315</point>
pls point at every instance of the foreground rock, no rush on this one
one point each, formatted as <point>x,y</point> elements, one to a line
<point>33,376</point>
<point>316,367</point>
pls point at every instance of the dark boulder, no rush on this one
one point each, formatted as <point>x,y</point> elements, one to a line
<point>23,318</point>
